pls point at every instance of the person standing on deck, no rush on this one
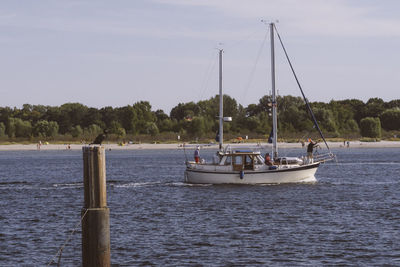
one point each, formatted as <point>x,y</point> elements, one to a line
<point>310,148</point>
<point>197,155</point>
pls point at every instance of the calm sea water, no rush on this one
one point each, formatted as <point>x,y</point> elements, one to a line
<point>351,216</point>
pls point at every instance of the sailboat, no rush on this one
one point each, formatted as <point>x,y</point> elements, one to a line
<point>238,166</point>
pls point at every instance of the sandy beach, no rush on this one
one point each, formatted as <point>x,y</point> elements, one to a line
<point>353,144</point>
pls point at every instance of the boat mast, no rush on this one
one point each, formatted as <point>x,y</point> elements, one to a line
<point>221,103</point>
<point>274,111</point>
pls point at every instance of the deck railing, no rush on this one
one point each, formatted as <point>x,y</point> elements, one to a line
<point>324,157</point>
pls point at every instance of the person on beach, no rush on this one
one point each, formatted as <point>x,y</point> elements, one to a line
<point>310,149</point>
<point>197,155</point>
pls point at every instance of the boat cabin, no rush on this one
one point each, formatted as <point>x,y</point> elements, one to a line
<point>241,159</point>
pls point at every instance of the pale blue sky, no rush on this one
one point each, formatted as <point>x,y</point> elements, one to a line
<point>114,53</point>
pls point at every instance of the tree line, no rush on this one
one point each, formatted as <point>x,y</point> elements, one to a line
<point>74,121</point>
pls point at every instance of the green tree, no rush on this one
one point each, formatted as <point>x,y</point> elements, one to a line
<point>183,111</point>
<point>92,131</point>
<point>152,129</point>
<point>71,114</point>
<point>393,104</point>
<point>374,107</point>
<point>117,129</point>
<point>390,119</point>
<point>52,130</point>
<point>5,114</point>
<point>325,119</point>
<point>92,116</point>
<point>160,115</point>
<point>40,128</point>
<point>10,127</point>
<point>44,128</point>
<point>351,126</point>
<point>356,107</point>
<point>165,125</point>
<point>144,116</point>
<point>120,132</point>
<point>76,131</point>
<point>22,128</point>
<point>252,123</point>
<point>2,130</point>
<point>163,122</point>
<point>38,113</point>
<point>128,118</point>
<point>109,115</point>
<point>196,127</point>
<point>370,127</point>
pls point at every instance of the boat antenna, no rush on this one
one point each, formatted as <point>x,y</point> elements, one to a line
<point>221,104</point>
<point>301,90</point>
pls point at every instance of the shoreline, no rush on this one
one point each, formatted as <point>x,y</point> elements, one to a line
<point>353,144</point>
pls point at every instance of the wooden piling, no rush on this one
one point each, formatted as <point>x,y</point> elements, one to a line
<point>96,222</point>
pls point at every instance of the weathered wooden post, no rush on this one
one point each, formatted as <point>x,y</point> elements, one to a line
<point>96,222</point>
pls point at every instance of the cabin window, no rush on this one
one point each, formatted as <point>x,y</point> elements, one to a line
<point>238,160</point>
<point>249,162</point>
<point>238,163</point>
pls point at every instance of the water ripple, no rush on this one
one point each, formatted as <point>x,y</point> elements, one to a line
<point>349,217</point>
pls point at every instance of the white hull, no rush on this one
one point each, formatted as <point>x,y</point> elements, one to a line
<point>290,175</point>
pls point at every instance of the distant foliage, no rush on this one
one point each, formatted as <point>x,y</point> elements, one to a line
<point>45,128</point>
<point>76,131</point>
<point>370,127</point>
<point>91,132</point>
<point>22,128</point>
<point>391,119</point>
<point>2,130</point>
<point>152,129</point>
<point>194,120</point>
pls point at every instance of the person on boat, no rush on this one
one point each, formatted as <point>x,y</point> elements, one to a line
<point>268,159</point>
<point>310,149</point>
<point>197,155</point>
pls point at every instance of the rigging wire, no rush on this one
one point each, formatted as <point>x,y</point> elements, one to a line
<point>207,75</point>
<point>211,66</point>
<point>59,252</point>
<point>301,90</point>
<point>251,76</point>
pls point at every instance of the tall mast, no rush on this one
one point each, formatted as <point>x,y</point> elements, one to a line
<point>274,111</point>
<point>221,103</point>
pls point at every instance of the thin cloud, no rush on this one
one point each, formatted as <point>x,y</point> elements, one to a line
<point>116,27</point>
<point>316,17</point>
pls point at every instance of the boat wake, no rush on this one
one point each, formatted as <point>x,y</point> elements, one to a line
<point>136,184</point>
<point>157,183</point>
<point>309,180</point>
<point>68,185</point>
<point>368,163</point>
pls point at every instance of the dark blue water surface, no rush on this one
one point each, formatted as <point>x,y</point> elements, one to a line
<point>351,216</point>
